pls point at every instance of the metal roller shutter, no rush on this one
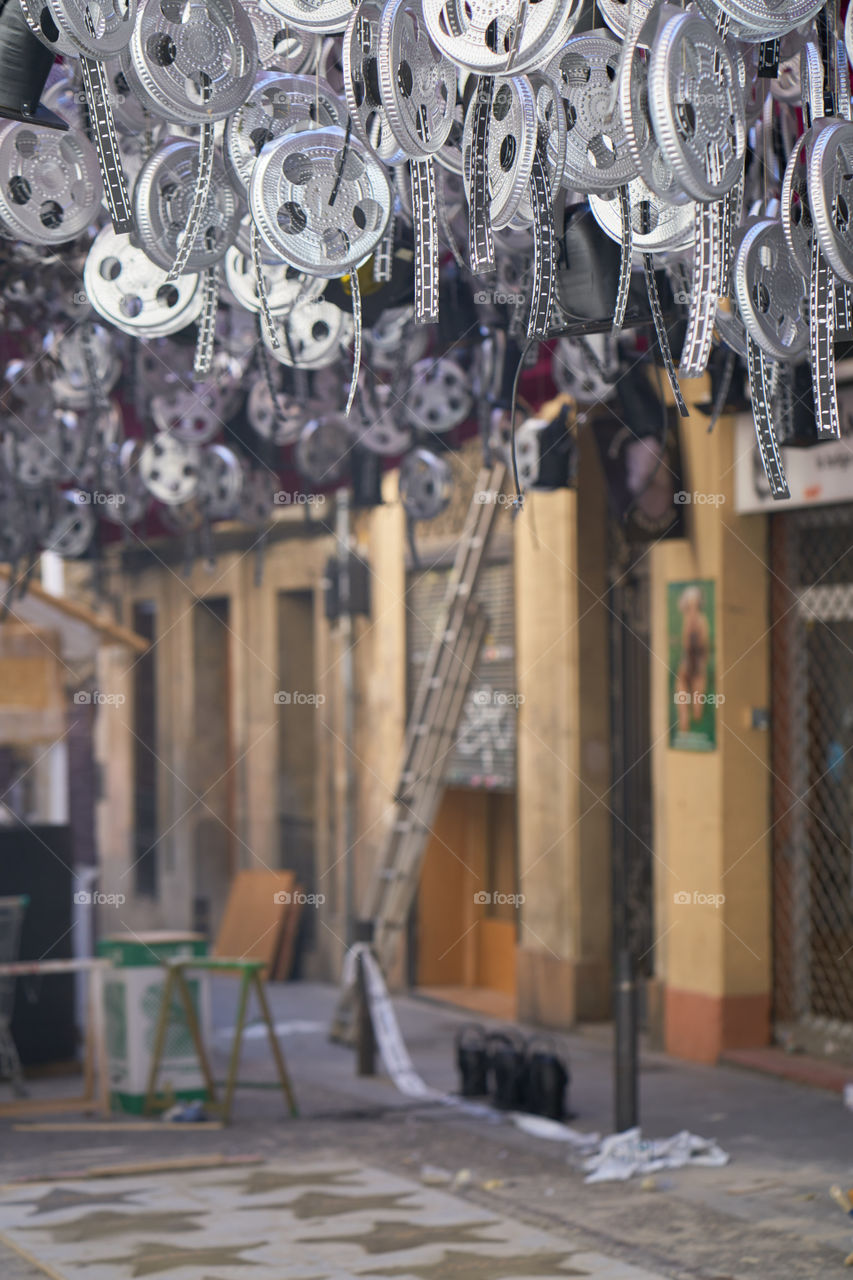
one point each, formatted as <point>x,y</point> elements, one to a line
<point>484,755</point>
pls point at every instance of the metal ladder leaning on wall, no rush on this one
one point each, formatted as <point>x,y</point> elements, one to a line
<point>433,721</point>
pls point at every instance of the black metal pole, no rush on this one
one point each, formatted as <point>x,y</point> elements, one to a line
<point>365,1037</point>
<point>625,1092</point>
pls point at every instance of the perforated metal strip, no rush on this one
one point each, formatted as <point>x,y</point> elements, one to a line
<point>783,401</point>
<point>202,190</point>
<point>662,335</point>
<point>626,255</point>
<point>843,306</point>
<point>106,144</point>
<point>544,249</point>
<point>707,246</point>
<point>263,298</point>
<point>843,81</point>
<point>454,21</point>
<point>481,242</point>
<point>826,23</point>
<point>822,345</point>
<point>356,345</point>
<point>517,30</point>
<point>96,86</point>
<point>207,322</point>
<point>768,58</point>
<point>422,173</point>
<point>383,254</point>
<point>732,204</point>
<point>766,436</point>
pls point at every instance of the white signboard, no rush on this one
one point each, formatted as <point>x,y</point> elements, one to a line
<point>816,476</point>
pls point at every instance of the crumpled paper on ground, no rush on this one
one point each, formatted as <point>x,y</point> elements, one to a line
<point>624,1154</point>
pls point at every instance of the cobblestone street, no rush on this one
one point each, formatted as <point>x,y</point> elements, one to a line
<point>366,1183</point>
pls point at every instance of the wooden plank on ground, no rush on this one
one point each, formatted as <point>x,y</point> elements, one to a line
<point>251,928</point>
<point>289,931</point>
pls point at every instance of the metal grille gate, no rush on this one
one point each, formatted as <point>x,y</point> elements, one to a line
<point>812,750</point>
<point>484,754</point>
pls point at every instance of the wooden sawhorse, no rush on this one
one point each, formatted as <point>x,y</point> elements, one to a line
<point>250,977</point>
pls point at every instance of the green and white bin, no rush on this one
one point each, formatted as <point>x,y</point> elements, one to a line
<point>133,994</point>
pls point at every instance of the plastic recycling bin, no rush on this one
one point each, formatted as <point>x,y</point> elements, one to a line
<point>133,993</point>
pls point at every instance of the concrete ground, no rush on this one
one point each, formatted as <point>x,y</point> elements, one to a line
<point>767,1215</point>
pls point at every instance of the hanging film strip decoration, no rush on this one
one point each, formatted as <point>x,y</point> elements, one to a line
<point>626,254</point>
<point>765,434</point>
<point>481,246</point>
<point>426,240</point>
<point>261,287</point>
<point>707,271</point>
<point>544,248</point>
<point>822,298</point>
<point>207,322</point>
<point>356,340</point>
<point>96,87</point>
<point>657,316</point>
<point>820,97</point>
<point>199,202</point>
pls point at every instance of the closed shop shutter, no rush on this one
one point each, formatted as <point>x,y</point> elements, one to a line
<point>812,830</point>
<point>484,754</point>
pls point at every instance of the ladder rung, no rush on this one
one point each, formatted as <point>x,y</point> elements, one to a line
<point>437,709</point>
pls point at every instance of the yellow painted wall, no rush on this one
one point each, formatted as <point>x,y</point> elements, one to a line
<point>711,809</point>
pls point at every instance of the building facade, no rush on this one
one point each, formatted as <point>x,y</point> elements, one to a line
<point>655,733</point>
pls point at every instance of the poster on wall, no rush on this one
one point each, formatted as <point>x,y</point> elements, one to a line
<point>693,698</point>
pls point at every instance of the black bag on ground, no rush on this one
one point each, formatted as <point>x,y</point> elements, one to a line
<point>507,1069</point>
<point>546,1080</point>
<point>471,1060</point>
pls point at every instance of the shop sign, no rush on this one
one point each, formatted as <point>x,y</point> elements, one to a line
<point>818,475</point>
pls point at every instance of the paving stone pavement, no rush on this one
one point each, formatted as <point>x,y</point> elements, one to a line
<point>766,1216</point>
<point>338,1220</point>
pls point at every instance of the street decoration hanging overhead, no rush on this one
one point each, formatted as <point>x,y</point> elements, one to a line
<point>316,218</point>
